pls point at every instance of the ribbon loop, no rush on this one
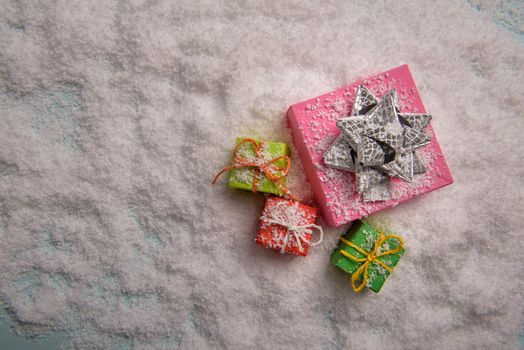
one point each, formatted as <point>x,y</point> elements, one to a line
<point>369,258</point>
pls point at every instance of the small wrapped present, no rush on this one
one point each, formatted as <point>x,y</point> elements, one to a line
<point>287,226</point>
<point>368,254</point>
<point>367,146</point>
<point>259,166</point>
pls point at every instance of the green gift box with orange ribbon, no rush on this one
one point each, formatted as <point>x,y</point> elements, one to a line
<point>368,255</point>
<point>259,166</point>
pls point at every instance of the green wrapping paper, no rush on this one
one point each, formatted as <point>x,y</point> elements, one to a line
<point>242,178</point>
<point>364,236</point>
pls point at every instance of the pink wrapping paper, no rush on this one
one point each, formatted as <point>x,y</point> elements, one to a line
<point>313,127</point>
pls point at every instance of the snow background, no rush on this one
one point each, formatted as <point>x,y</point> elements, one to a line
<point>115,115</point>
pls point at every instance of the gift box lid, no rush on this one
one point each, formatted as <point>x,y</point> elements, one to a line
<point>314,129</point>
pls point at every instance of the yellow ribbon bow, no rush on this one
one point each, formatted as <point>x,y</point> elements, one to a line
<point>370,257</point>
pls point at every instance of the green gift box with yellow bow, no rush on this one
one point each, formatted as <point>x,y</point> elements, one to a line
<point>368,255</point>
<point>259,166</point>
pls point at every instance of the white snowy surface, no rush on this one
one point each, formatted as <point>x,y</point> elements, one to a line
<point>115,116</point>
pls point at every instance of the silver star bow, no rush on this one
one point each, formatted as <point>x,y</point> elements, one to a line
<point>377,141</point>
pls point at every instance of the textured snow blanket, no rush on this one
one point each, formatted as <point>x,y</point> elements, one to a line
<point>115,116</point>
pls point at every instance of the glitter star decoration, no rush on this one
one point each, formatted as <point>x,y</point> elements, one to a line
<point>377,141</point>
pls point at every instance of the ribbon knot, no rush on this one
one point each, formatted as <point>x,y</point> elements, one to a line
<point>297,232</point>
<point>269,168</point>
<point>369,258</point>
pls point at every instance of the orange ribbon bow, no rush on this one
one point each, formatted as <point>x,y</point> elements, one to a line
<point>272,171</point>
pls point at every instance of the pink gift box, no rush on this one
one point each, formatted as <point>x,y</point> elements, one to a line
<point>313,125</point>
